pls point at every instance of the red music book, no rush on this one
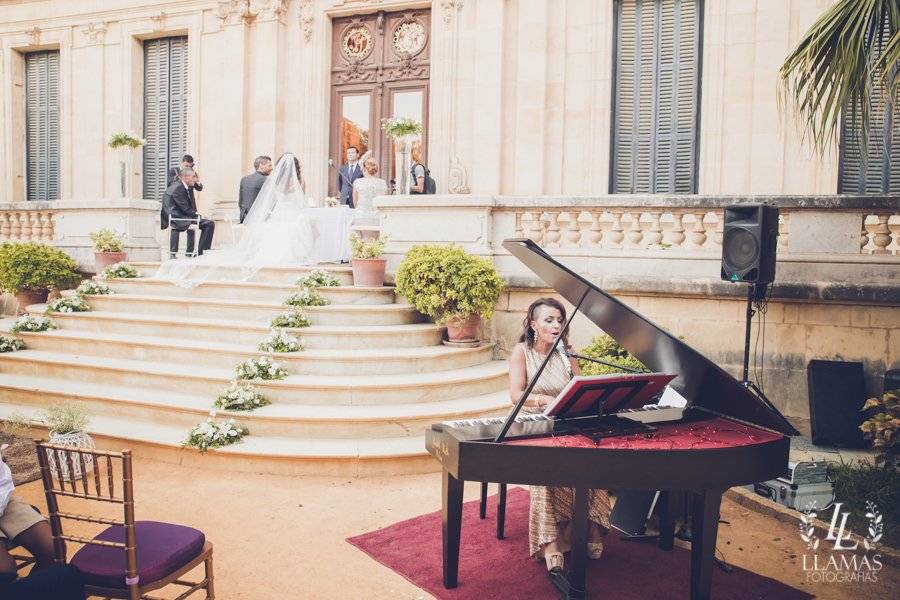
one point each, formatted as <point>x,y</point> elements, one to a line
<point>607,394</point>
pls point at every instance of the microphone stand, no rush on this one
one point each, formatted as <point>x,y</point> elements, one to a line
<point>603,362</point>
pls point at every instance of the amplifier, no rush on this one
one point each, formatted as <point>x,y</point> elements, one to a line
<point>806,484</point>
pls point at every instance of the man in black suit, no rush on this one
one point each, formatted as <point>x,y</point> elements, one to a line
<point>347,174</point>
<point>252,183</point>
<point>187,162</point>
<point>180,204</point>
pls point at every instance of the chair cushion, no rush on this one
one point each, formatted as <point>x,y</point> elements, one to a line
<point>162,548</point>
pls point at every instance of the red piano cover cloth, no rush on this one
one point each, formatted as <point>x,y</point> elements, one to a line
<point>711,433</point>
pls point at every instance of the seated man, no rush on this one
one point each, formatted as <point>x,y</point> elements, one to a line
<point>21,525</point>
<point>179,203</point>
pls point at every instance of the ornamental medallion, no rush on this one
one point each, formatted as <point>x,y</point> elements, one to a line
<point>357,42</point>
<point>409,38</point>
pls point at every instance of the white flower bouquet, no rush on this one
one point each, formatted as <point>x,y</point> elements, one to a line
<point>294,318</point>
<point>123,139</point>
<point>240,395</point>
<point>401,126</point>
<point>214,434</point>
<point>68,304</point>
<point>332,202</point>
<point>10,344</point>
<point>120,270</point>
<point>281,341</point>
<point>89,287</point>
<point>307,296</point>
<point>318,278</point>
<point>32,323</point>
<point>260,368</point>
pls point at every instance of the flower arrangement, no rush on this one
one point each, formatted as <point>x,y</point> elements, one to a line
<point>120,270</point>
<point>240,395</point>
<point>318,278</point>
<point>66,417</point>
<point>281,341</point>
<point>33,266</point>
<point>10,344</point>
<point>360,248</point>
<point>214,434</point>
<point>124,139</point>
<point>32,323</point>
<point>305,297</point>
<point>68,304</point>
<point>331,201</point>
<point>399,127</point>
<point>89,287</point>
<point>294,318</point>
<point>106,240</point>
<point>882,427</point>
<point>445,283</point>
<point>260,368</point>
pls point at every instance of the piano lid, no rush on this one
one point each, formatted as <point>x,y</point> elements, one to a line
<point>699,380</point>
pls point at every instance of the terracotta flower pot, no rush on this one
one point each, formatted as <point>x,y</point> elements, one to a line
<point>27,297</point>
<point>368,272</point>
<point>105,259</point>
<point>465,329</point>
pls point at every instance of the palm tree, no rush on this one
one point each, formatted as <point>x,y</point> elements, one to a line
<point>849,54</point>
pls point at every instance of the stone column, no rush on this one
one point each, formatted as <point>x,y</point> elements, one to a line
<point>267,72</point>
<point>88,79</point>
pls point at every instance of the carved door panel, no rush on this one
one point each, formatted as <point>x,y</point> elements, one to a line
<point>380,69</point>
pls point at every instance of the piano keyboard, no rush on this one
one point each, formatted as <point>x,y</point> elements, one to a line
<point>650,413</point>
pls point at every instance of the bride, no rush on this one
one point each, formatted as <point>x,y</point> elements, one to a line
<point>276,232</point>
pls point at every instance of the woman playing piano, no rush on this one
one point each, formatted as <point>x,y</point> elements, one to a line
<point>549,531</point>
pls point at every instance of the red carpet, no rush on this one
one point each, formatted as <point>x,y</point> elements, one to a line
<point>492,568</point>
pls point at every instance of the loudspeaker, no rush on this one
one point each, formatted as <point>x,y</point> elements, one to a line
<point>749,240</point>
<point>837,392</point>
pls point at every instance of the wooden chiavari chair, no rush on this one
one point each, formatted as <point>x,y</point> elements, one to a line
<point>110,561</point>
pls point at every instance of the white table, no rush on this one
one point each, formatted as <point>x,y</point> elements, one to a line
<point>332,228</point>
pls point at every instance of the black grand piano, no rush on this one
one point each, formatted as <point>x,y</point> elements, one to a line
<point>726,436</point>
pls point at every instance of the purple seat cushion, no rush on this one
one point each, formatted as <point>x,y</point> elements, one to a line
<point>162,548</point>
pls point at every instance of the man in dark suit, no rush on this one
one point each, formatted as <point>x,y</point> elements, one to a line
<point>347,174</point>
<point>180,204</point>
<point>187,162</point>
<point>252,183</point>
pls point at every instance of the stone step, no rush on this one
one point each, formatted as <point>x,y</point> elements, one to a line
<point>233,332</point>
<point>276,420</point>
<point>255,454</point>
<point>283,275</point>
<point>349,389</point>
<point>250,290</point>
<point>241,310</point>
<point>366,361</point>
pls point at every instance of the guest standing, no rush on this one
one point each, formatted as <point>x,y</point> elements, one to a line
<point>364,191</point>
<point>347,174</point>
<point>180,204</point>
<point>551,510</point>
<point>187,162</point>
<point>252,183</point>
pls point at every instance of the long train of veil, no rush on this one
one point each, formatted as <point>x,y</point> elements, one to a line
<point>286,240</point>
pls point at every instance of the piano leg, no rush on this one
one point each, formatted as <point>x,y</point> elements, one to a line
<point>703,543</point>
<point>666,522</point>
<point>451,516</point>
<point>579,544</point>
<point>482,509</point>
<point>501,512</point>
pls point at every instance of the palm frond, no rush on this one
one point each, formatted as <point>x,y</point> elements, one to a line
<point>839,63</point>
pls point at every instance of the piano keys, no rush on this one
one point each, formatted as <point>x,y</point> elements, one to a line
<point>724,436</point>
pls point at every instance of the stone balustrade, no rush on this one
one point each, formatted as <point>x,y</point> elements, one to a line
<point>30,225</point>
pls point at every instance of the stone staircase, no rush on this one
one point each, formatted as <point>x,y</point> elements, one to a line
<point>149,360</point>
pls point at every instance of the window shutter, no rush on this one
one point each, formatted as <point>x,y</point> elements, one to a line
<point>165,110</point>
<point>42,125</point>
<point>657,49</point>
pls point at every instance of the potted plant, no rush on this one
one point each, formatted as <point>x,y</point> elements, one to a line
<point>125,143</point>
<point>29,270</point>
<point>109,248</point>
<point>404,131</point>
<point>450,286</point>
<point>367,264</point>
<point>67,422</point>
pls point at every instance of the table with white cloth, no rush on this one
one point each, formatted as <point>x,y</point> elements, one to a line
<point>332,229</point>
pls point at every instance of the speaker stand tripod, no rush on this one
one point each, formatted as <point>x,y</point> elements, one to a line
<point>755,292</point>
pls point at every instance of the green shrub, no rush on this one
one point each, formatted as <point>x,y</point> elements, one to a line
<point>882,427</point>
<point>859,482</point>
<point>360,248</point>
<point>35,267</point>
<point>106,240</point>
<point>604,347</point>
<point>444,282</point>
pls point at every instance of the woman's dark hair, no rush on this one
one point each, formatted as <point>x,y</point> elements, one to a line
<point>528,333</point>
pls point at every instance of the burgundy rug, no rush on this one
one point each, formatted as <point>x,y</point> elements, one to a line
<point>491,568</point>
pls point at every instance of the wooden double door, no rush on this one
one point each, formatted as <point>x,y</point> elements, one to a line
<point>380,69</point>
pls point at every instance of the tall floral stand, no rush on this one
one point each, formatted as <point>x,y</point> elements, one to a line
<point>125,153</point>
<point>403,163</point>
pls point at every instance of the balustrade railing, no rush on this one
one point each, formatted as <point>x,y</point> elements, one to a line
<point>27,225</point>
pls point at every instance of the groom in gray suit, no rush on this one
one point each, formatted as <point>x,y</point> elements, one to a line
<point>252,183</point>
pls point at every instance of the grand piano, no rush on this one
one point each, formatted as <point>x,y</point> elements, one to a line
<point>727,435</point>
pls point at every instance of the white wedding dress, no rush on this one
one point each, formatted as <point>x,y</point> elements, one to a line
<point>277,232</point>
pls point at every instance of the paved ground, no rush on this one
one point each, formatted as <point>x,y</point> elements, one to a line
<point>280,538</point>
